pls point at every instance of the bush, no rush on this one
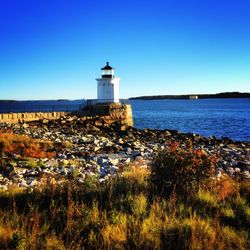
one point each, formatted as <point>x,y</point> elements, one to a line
<point>25,146</point>
<point>182,171</point>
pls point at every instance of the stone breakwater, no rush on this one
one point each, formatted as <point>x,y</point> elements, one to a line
<point>114,112</point>
<point>31,116</point>
<point>90,147</point>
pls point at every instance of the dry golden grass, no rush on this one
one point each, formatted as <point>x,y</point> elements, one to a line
<point>136,174</point>
<point>203,234</point>
<point>115,234</point>
<point>53,243</point>
<point>123,214</point>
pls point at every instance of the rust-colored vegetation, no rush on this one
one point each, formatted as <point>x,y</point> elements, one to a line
<point>25,146</point>
<point>181,171</point>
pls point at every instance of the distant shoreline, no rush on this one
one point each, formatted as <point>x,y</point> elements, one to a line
<point>153,97</point>
<point>200,96</point>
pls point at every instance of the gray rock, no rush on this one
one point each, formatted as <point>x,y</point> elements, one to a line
<point>128,150</point>
<point>102,161</point>
<point>136,153</point>
<point>230,171</point>
<point>113,169</point>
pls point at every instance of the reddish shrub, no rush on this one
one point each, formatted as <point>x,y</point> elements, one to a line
<point>225,187</point>
<point>182,170</point>
<point>25,146</point>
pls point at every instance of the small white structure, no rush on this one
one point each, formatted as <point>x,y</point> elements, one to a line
<point>193,97</point>
<point>108,86</point>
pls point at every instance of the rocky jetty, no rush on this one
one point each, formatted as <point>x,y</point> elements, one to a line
<point>88,147</point>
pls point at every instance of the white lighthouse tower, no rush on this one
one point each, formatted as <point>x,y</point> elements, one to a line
<point>108,86</point>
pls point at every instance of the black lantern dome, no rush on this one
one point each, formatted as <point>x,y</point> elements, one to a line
<point>108,71</point>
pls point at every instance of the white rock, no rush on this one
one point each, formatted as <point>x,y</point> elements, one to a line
<point>114,161</point>
<point>102,180</point>
<point>237,170</point>
<point>3,187</point>
<point>127,160</point>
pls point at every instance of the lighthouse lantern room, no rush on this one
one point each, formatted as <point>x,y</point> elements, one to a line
<point>108,86</point>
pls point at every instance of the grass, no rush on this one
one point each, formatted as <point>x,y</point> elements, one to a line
<point>120,214</point>
<point>130,211</point>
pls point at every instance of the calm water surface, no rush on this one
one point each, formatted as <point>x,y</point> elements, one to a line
<point>218,117</point>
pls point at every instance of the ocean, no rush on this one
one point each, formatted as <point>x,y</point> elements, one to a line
<point>207,117</point>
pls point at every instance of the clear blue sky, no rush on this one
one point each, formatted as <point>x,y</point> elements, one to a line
<point>53,49</point>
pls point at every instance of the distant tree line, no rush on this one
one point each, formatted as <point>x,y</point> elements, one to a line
<point>200,96</point>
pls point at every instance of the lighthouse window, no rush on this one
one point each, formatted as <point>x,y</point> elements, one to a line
<point>107,72</point>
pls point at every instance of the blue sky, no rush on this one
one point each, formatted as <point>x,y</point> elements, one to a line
<point>55,49</point>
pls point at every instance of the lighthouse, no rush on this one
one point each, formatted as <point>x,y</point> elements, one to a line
<point>108,86</point>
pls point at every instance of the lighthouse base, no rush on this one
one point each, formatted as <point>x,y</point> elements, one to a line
<point>113,112</point>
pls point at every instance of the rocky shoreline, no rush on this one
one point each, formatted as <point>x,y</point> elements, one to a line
<point>91,148</point>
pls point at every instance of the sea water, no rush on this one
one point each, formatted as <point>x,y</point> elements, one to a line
<point>207,117</point>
